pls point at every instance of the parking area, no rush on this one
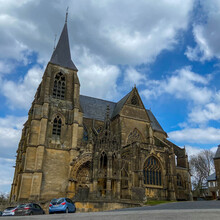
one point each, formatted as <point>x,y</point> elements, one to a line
<point>178,210</point>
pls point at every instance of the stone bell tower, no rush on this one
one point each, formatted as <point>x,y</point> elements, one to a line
<point>50,135</point>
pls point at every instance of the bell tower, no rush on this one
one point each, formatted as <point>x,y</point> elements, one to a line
<point>52,132</point>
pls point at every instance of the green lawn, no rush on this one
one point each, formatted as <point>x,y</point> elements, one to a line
<point>156,202</point>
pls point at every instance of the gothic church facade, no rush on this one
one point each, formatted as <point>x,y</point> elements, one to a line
<point>86,148</point>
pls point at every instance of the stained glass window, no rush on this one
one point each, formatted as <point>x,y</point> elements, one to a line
<point>179,180</point>
<point>152,172</point>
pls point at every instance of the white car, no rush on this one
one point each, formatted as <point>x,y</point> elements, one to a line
<point>9,211</point>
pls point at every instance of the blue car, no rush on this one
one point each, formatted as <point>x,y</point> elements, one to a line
<point>61,205</point>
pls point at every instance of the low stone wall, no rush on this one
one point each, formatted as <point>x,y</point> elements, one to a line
<point>90,206</point>
<point>94,206</point>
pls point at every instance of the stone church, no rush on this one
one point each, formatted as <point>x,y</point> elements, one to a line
<point>90,149</point>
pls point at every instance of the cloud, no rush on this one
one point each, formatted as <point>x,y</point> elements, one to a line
<point>97,78</point>
<point>204,114</point>
<point>10,133</point>
<point>6,67</point>
<point>193,151</point>
<point>207,135</point>
<point>103,28</point>
<point>6,173</point>
<point>182,84</point>
<point>206,33</point>
<point>133,77</point>
<point>24,89</point>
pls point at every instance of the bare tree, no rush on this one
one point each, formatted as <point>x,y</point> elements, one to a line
<point>201,166</point>
<point>4,198</point>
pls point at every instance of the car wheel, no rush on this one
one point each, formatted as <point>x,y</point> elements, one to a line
<point>67,210</point>
<point>31,213</point>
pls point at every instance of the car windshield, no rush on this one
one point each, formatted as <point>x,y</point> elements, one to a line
<point>57,201</point>
<point>22,206</point>
<point>10,208</point>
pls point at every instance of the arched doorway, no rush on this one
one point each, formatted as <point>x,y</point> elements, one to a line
<point>83,180</point>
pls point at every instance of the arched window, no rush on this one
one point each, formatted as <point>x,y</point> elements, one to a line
<point>85,133</point>
<point>134,136</point>
<point>114,164</point>
<point>179,180</point>
<point>134,100</point>
<point>124,174</point>
<point>59,86</point>
<point>57,123</point>
<point>103,164</point>
<point>152,172</point>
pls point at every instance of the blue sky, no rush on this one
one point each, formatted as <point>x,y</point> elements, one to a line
<point>169,48</point>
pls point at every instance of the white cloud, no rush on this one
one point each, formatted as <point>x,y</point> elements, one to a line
<point>207,135</point>
<point>192,151</point>
<point>204,114</point>
<point>133,77</point>
<point>97,78</point>
<point>182,84</point>
<point>5,67</point>
<point>10,133</point>
<point>120,32</point>
<point>6,173</point>
<point>24,89</point>
<point>206,33</point>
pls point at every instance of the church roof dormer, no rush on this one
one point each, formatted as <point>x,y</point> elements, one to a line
<point>61,55</point>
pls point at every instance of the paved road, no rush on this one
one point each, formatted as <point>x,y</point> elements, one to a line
<point>179,205</point>
<point>180,210</point>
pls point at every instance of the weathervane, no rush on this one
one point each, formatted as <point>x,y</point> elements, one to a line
<point>66,14</point>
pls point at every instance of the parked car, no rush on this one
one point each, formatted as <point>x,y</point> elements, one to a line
<point>9,211</point>
<point>1,213</point>
<point>29,209</point>
<point>61,205</point>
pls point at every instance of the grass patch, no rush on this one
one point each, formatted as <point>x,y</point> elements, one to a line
<point>156,202</point>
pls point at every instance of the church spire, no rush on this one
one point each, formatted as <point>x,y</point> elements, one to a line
<point>61,55</point>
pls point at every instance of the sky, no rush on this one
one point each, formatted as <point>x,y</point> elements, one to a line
<point>169,49</point>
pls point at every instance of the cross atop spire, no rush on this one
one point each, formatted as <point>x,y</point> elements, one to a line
<point>66,14</point>
<point>61,55</point>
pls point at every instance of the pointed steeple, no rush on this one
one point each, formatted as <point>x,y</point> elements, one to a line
<point>61,55</point>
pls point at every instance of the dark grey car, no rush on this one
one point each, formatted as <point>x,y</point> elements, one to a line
<point>29,209</point>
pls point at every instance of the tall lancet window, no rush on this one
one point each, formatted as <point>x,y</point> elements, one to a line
<point>57,123</point>
<point>59,86</point>
<point>152,172</point>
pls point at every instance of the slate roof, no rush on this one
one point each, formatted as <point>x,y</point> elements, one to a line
<point>94,108</point>
<point>120,104</point>
<point>154,123</point>
<point>217,154</point>
<point>61,55</point>
<point>212,177</point>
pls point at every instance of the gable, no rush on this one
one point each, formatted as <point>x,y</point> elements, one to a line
<point>134,99</point>
<point>133,107</point>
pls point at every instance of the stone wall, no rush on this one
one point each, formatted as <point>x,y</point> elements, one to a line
<point>55,178</point>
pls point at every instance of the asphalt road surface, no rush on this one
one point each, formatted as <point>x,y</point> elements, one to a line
<point>179,210</point>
